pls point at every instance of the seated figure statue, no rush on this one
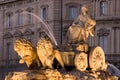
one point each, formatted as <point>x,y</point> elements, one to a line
<point>27,53</point>
<point>82,27</point>
<point>47,54</point>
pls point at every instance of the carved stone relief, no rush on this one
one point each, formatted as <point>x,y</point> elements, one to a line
<point>29,9</point>
<point>28,32</point>
<point>103,32</point>
<point>7,35</point>
<point>18,33</point>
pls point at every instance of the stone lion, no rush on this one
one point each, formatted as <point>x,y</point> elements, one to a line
<point>27,53</point>
<point>46,53</point>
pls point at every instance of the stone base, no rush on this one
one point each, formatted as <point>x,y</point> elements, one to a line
<point>49,74</point>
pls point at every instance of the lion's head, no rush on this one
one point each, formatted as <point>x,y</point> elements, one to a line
<point>25,50</point>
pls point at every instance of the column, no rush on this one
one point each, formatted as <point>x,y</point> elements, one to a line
<point>97,8</point>
<point>109,43</point>
<point>109,3</point>
<point>89,41</point>
<point>112,40</point>
<point>117,7</point>
<point>92,41</point>
<point>96,38</point>
<point>117,40</point>
<point>94,8</point>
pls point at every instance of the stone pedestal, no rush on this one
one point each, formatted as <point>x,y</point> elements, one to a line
<point>49,74</point>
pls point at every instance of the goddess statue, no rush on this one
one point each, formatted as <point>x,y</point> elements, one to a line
<point>82,27</point>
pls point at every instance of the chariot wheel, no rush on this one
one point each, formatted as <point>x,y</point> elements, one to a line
<point>97,58</point>
<point>81,62</point>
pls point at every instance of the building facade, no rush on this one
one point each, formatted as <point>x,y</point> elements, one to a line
<point>33,19</point>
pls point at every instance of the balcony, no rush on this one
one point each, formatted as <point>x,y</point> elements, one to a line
<point>117,17</point>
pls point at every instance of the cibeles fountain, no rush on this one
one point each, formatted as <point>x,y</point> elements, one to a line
<point>75,60</point>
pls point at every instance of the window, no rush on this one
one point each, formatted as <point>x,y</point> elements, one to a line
<point>30,17</point>
<point>72,13</point>
<point>9,21</point>
<point>103,43</point>
<point>8,53</point>
<point>44,13</point>
<point>19,19</point>
<point>8,50</point>
<point>103,8</point>
<point>116,37</point>
<point>103,34</point>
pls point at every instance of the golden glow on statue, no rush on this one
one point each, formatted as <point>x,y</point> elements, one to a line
<point>82,27</point>
<point>27,52</point>
<point>44,53</point>
<point>47,54</point>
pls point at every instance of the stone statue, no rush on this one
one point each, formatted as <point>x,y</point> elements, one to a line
<point>47,54</point>
<point>27,53</point>
<point>82,27</point>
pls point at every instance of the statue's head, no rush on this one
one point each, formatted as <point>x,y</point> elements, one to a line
<point>26,51</point>
<point>84,9</point>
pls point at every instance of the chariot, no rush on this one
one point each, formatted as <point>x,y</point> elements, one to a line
<point>82,58</point>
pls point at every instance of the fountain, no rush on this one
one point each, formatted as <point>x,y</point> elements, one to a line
<point>48,30</point>
<point>75,60</point>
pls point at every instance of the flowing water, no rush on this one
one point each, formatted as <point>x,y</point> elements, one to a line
<point>113,70</point>
<point>46,28</point>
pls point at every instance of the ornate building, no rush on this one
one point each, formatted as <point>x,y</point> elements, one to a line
<point>23,19</point>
